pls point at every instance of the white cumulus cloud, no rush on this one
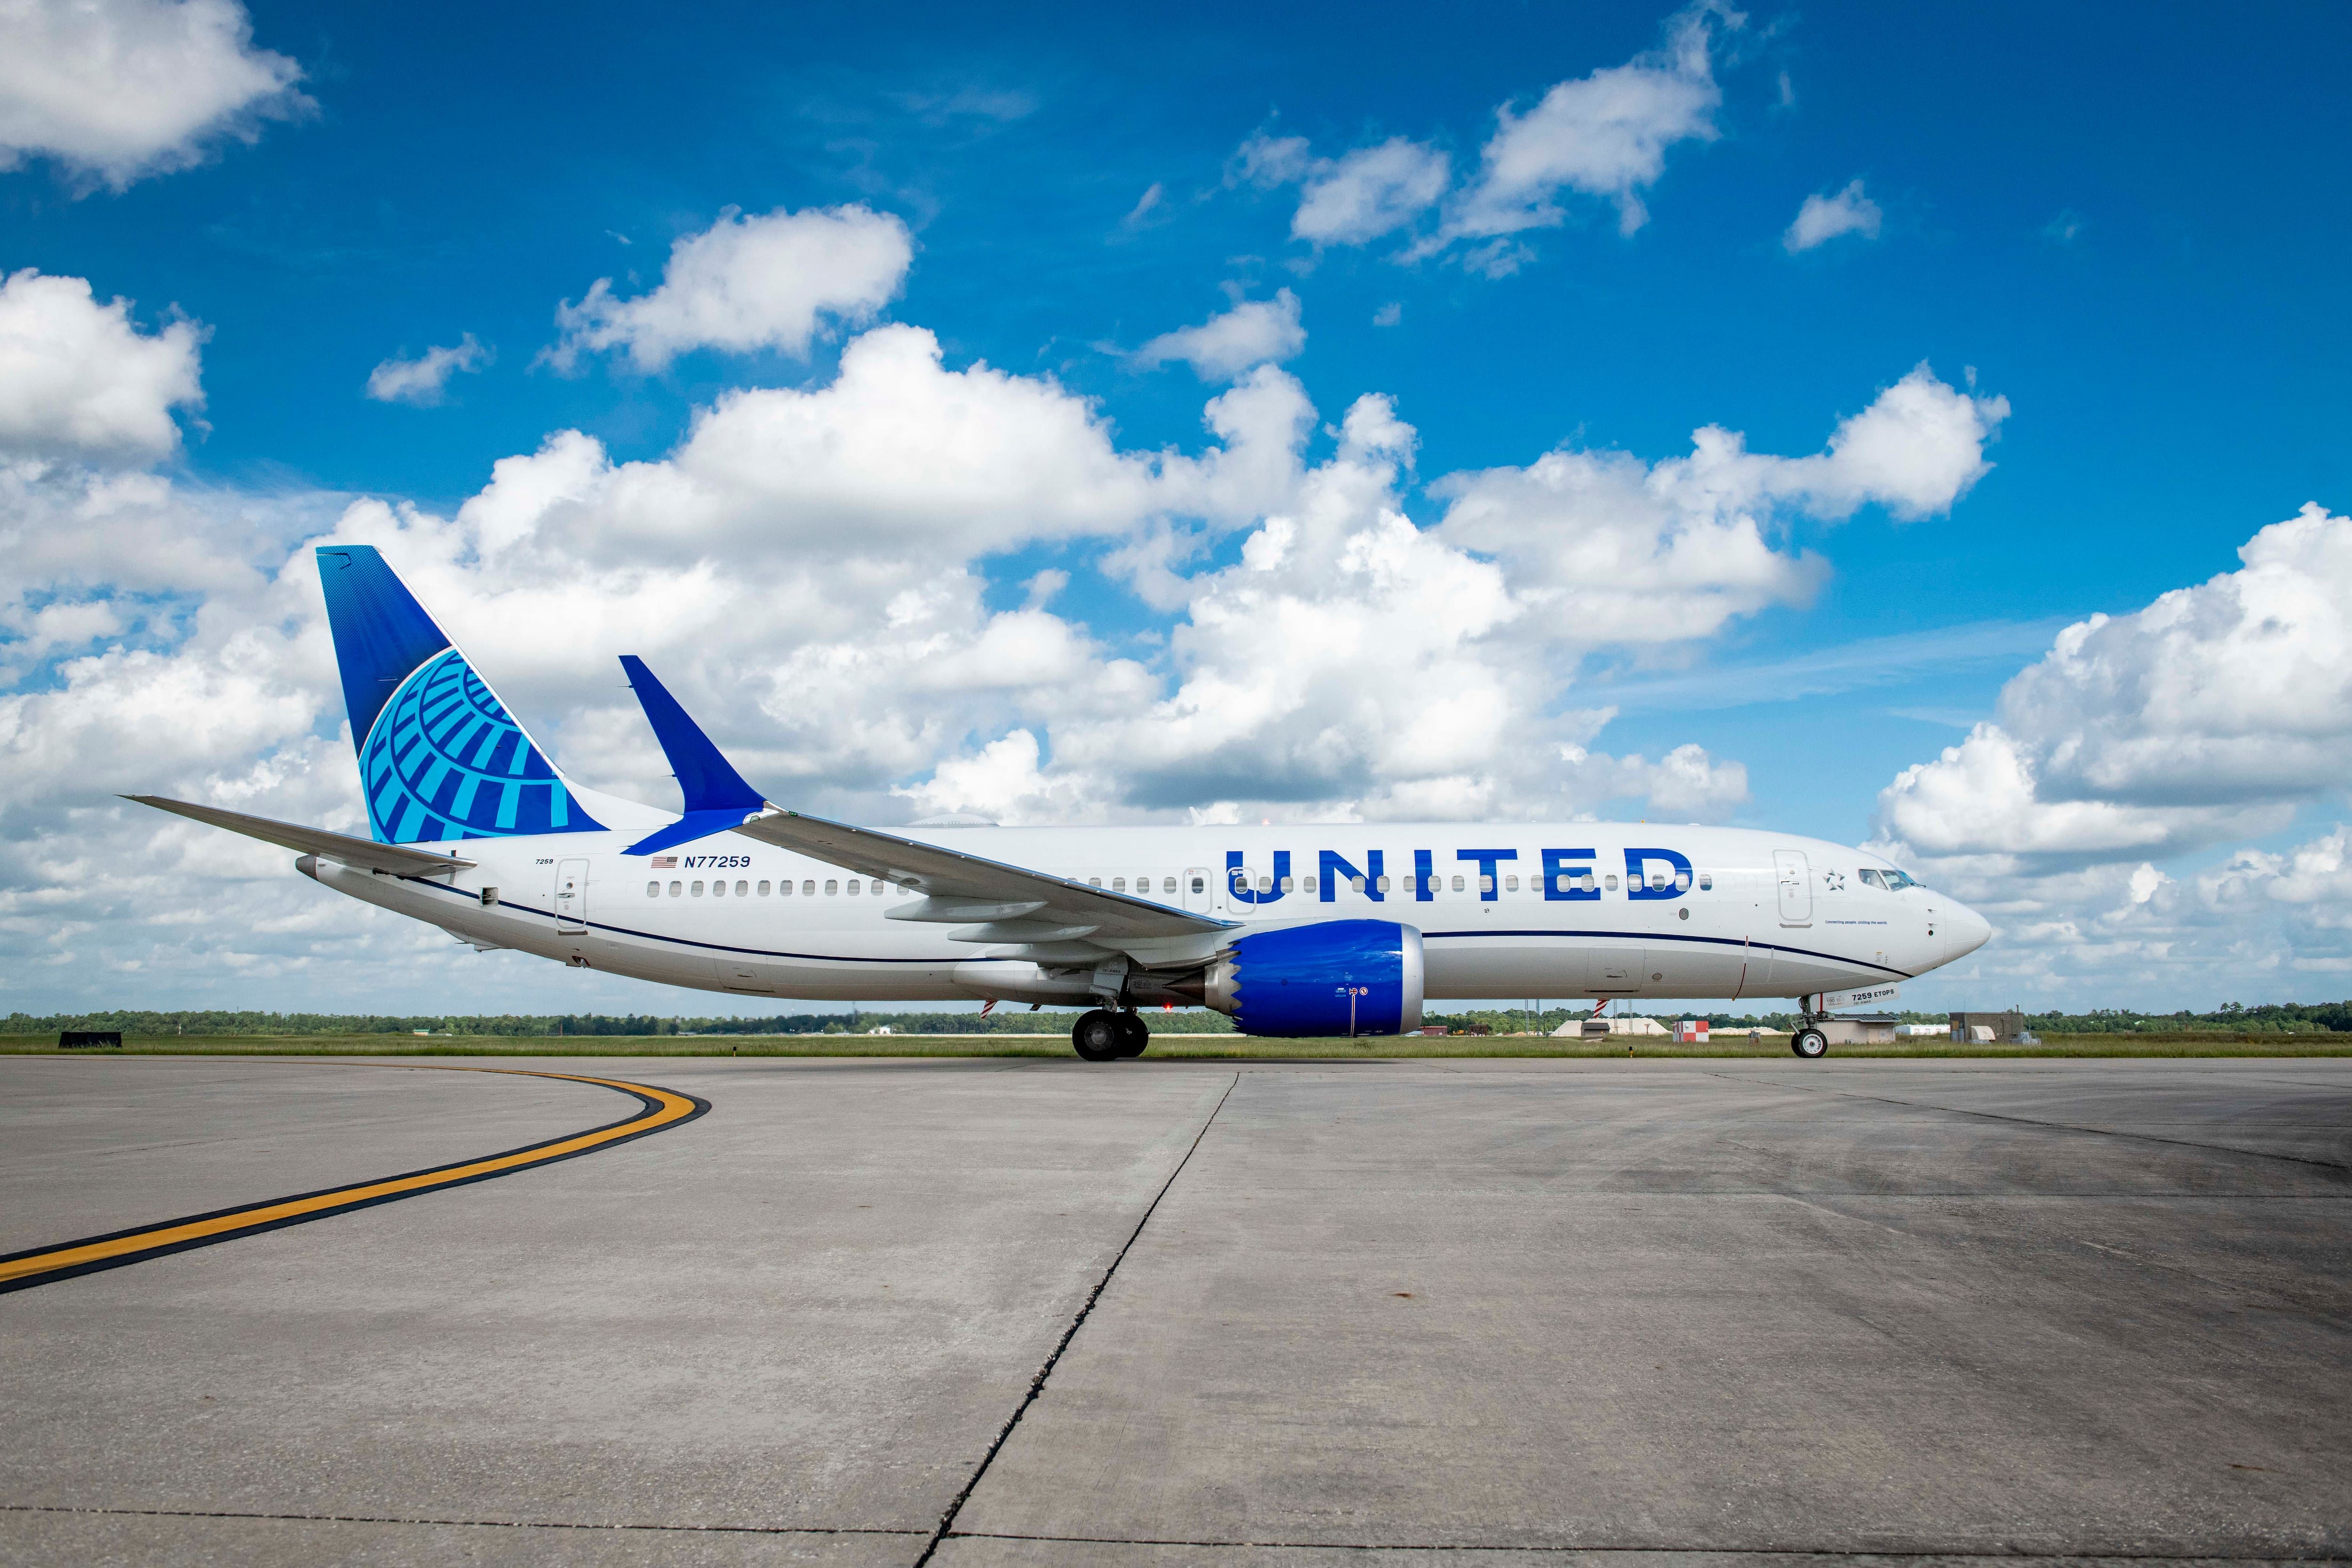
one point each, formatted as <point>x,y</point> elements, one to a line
<point>114,90</point>
<point>1824,218</point>
<point>745,284</point>
<point>423,380</point>
<point>1369,191</point>
<point>810,569</point>
<point>2208,715</point>
<point>79,381</point>
<point>1604,135</point>
<point>1253,332</point>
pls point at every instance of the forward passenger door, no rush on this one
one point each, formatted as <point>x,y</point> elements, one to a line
<point>1796,886</point>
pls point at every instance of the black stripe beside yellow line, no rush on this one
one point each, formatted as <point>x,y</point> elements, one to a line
<point>659,1110</point>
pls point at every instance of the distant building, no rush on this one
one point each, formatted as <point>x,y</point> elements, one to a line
<point>1989,1029</point>
<point>1616,1027</point>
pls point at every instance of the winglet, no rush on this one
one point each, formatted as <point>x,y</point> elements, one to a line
<point>717,797</point>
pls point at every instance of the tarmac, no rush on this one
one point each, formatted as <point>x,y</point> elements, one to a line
<point>1293,1313</point>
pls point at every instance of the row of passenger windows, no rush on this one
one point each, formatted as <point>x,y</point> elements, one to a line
<point>783,890</point>
<point>1566,882</point>
<point>1569,882</point>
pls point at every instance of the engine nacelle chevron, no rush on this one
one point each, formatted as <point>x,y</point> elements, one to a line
<point>1332,977</point>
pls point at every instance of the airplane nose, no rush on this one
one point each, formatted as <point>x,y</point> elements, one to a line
<point>1965,930</point>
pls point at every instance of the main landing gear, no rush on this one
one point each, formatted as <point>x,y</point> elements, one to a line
<point>1104,1035</point>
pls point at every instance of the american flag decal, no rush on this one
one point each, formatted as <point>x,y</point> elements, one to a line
<point>664,862</point>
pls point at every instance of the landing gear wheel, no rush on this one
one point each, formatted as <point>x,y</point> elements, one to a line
<point>1097,1036</point>
<point>1133,1035</point>
<point>1809,1044</point>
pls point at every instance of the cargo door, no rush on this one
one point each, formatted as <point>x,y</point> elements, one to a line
<point>1796,886</point>
<point>571,896</point>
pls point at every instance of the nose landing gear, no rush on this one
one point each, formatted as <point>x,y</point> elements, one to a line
<point>1105,1036</point>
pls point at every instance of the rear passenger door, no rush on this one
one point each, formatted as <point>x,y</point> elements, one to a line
<point>571,896</point>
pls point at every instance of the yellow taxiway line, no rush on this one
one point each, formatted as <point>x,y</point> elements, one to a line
<point>659,1109</point>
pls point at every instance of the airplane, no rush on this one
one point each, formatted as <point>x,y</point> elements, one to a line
<point>1301,931</point>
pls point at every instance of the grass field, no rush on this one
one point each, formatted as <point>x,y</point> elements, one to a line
<point>1229,1048</point>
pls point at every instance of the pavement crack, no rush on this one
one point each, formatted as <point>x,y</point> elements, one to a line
<point>290,1517</point>
<point>1038,1384</point>
<point>1650,1552</point>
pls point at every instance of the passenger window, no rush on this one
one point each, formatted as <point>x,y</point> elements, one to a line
<point>1168,885</point>
<point>698,890</point>
<point>743,888</point>
<point>1457,884</point>
<point>674,889</point>
<point>1357,883</point>
<point>718,889</point>
<point>1681,881</point>
<point>1312,884</point>
<point>1143,885</point>
<point>1384,884</point>
<point>1285,884</point>
<point>1119,884</point>
<point>1612,881</point>
<point>1706,881</point>
<point>808,890</point>
<point>653,889</point>
<point>764,890</point>
<point>831,888</point>
<point>1094,881</point>
<point>1510,884</point>
<point>1200,884</point>
<point>1657,881</point>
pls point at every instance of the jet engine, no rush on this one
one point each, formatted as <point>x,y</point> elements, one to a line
<point>1334,977</point>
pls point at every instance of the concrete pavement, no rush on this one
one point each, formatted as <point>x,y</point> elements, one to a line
<point>1459,1311</point>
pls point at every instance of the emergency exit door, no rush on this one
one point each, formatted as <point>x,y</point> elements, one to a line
<point>1796,882</point>
<point>572,896</point>
<point>1198,895</point>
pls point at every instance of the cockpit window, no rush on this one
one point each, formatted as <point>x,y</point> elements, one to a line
<point>1892,880</point>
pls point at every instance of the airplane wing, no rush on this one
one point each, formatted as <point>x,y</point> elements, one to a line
<point>988,900</point>
<point>394,858</point>
<point>1014,903</point>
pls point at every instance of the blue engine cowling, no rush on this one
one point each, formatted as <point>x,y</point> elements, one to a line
<point>1334,977</point>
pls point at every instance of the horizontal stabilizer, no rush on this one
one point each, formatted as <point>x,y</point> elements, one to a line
<point>364,853</point>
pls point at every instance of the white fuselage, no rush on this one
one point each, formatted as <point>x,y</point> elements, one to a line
<point>1764,914</point>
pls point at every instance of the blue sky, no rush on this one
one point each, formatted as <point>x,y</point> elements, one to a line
<point>2129,225</point>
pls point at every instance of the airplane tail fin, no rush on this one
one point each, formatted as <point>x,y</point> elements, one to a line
<point>440,757</point>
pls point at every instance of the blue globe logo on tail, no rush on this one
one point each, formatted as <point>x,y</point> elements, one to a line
<point>444,760</point>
